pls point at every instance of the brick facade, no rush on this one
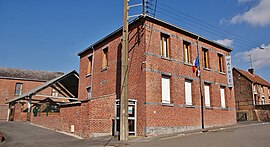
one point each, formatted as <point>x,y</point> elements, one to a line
<point>146,67</point>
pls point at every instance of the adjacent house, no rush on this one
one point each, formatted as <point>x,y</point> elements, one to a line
<point>252,93</point>
<point>15,82</point>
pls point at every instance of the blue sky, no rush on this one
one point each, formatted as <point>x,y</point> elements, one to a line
<point>48,34</point>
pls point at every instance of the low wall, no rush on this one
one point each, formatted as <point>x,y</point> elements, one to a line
<point>263,115</point>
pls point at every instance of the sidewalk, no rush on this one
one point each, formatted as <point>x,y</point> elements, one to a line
<point>113,141</point>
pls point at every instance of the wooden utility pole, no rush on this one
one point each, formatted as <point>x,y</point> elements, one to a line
<point>124,78</point>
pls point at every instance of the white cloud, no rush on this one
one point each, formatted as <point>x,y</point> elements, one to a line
<point>244,1</point>
<point>260,57</point>
<point>225,42</point>
<point>258,15</point>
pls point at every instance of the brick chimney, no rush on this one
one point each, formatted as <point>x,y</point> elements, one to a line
<point>251,70</point>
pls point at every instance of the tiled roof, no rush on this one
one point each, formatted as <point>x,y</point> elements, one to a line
<point>16,73</point>
<point>254,78</point>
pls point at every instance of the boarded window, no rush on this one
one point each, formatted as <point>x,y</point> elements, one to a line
<point>188,92</point>
<point>165,89</point>
<point>164,45</point>
<point>222,97</point>
<point>18,89</point>
<point>207,95</point>
<point>186,46</point>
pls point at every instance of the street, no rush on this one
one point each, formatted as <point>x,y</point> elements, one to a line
<point>250,134</point>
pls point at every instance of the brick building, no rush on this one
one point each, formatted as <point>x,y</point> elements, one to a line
<point>14,82</point>
<point>164,93</point>
<point>252,93</point>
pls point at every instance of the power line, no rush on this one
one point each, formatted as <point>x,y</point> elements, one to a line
<point>202,26</point>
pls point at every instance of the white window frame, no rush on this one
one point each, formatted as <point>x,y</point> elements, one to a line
<point>207,95</point>
<point>54,92</point>
<point>188,92</point>
<point>222,97</point>
<point>165,86</point>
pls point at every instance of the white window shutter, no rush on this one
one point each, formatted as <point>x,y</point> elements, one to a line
<point>222,96</point>
<point>207,95</point>
<point>188,93</point>
<point>165,89</point>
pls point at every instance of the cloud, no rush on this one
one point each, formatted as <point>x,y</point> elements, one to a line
<point>260,57</point>
<point>258,15</point>
<point>244,1</point>
<point>225,42</point>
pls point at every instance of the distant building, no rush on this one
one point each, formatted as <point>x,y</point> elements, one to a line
<point>15,82</point>
<point>252,93</point>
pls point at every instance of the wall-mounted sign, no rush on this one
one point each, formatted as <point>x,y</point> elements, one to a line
<point>229,71</point>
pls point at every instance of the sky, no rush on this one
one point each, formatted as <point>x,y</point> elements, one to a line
<point>48,34</point>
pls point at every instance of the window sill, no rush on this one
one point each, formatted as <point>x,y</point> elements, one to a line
<point>224,108</point>
<point>167,104</point>
<point>88,75</point>
<point>166,58</point>
<point>223,73</point>
<point>189,106</point>
<point>104,68</point>
<point>208,69</point>
<point>209,107</point>
<point>188,64</point>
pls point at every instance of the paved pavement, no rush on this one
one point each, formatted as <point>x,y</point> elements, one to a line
<point>248,134</point>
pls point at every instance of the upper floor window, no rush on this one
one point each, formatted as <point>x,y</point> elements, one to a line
<point>18,89</point>
<point>205,58</point>
<point>186,46</point>
<point>54,92</point>
<point>89,67</point>
<point>220,63</point>
<point>89,92</point>
<point>164,40</point>
<point>105,57</point>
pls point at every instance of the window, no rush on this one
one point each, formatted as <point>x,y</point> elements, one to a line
<point>54,92</point>
<point>18,89</point>
<point>89,92</point>
<point>165,89</point>
<point>164,45</point>
<point>220,63</point>
<point>205,58</point>
<point>207,94</point>
<point>188,94</point>
<point>186,46</point>
<point>89,67</point>
<point>222,97</point>
<point>105,57</point>
<point>263,100</point>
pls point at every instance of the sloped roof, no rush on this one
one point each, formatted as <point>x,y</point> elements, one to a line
<point>69,80</point>
<point>156,20</point>
<point>253,78</point>
<point>24,74</point>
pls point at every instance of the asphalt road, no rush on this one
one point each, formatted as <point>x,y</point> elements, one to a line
<point>248,135</point>
<point>22,134</point>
